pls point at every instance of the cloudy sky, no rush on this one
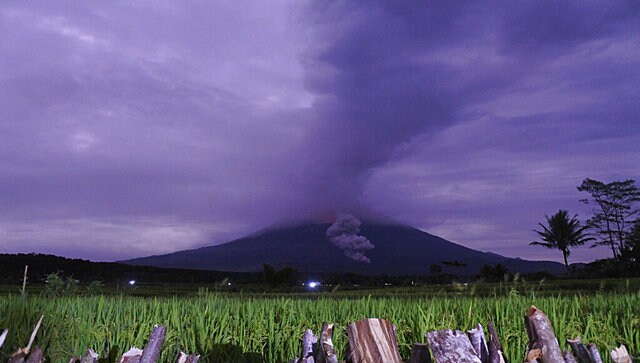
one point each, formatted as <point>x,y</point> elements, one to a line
<point>130,128</point>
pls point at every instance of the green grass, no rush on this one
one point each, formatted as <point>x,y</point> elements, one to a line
<point>239,327</point>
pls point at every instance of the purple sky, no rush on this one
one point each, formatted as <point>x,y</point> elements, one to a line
<point>130,128</point>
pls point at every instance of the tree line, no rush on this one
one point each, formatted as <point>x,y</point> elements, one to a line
<point>615,222</point>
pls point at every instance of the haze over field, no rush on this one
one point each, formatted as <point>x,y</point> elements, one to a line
<point>137,128</point>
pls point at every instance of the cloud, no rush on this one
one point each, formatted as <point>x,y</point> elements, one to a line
<point>447,116</point>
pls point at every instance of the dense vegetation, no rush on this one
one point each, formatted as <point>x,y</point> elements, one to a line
<point>238,327</point>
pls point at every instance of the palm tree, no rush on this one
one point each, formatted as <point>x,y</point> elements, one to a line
<point>562,233</point>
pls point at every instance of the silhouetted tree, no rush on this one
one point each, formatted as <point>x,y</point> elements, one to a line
<point>615,208</point>
<point>561,233</point>
<point>494,273</point>
<point>275,278</point>
<point>631,249</point>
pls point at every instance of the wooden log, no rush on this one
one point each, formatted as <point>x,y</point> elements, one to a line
<point>420,353</point>
<point>3,336</point>
<point>569,358</point>
<point>308,340</point>
<point>133,355</point>
<point>347,354</point>
<point>449,346</point>
<point>580,352</point>
<point>35,356</point>
<point>496,354</point>
<point>541,336</point>
<point>373,340</point>
<point>152,350</point>
<point>595,354</point>
<point>17,357</point>
<point>620,355</point>
<point>89,357</point>
<point>479,343</point>
<point>188,358</point>
<point>325,351</point>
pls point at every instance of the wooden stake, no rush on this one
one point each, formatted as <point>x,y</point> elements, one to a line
<point>89,357</point>
<point>308,340</point>
<point>131,356</point>
<point>595,354</point>
<point>188,358</point>
<point>542,336</point>
<point>35,356</point>
<point>479,343</point>
<point>3,336</point>
<point>325,351</point>
<point>24,280</point>
<point>420,354</point>
<point>451,346</point>
<point>151,351</point>
<point>620,355</point>
<point>580,352</point>
<point>496,354</point>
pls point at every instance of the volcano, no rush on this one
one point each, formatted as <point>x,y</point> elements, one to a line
<point>399,250</point>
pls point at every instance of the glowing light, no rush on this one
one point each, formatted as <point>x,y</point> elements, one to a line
<point>132,282</point>
<point>313,284</point>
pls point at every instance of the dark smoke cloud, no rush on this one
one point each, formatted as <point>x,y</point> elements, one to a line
<point>344,235</point>
<point>168,126</point>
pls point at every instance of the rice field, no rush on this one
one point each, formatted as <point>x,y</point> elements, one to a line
<point>238,328</point>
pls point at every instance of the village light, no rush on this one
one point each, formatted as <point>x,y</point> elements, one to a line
<point>313,284</point>
<point>132,282</point>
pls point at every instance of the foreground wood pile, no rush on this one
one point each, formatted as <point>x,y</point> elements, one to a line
<point>375,340</point>
<point>149,354</point>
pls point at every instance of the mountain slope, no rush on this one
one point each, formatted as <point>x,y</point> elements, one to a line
<point>399,250</point>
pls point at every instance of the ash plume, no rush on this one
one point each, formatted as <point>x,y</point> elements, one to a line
<point>344,235</point>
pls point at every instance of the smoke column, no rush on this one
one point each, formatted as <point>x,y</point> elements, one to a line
<point>344,234</point>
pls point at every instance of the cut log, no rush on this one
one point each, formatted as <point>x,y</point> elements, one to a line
<point>152,350</point>
<point>89,357</point>
<point>373,340</point>
<point>347,354</point>
<point>496,353</point>
<point>595,354</point>
<point>308,340</point>
<point>188,358</point>
<point>449,346</point>
<point>580,352</point>
<point>420,354</point>
<point>479,343</point>
<point>35,356</point>
<point>534,355</point>
<point>569,358</point>
<point>620,355</point>
<point>133,355</point>
<point>325,351</point>
<point>541,336</point>
<point>3,336</point>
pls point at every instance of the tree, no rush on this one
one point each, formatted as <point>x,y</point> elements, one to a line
<point>615,207</point>
<point>561,233</point>
<point>631,249</point>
